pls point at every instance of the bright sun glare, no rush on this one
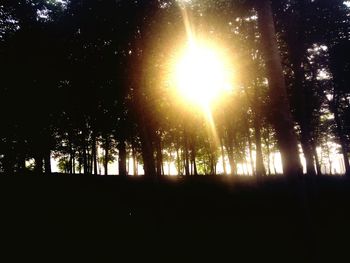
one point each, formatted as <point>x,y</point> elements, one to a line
<point>202,75</point>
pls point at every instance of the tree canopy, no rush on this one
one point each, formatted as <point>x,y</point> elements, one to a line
<point>90,84</point>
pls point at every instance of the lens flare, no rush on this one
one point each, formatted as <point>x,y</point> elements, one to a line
<point>201,75</point>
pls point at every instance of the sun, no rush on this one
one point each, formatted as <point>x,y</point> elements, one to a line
<point>202,74</point>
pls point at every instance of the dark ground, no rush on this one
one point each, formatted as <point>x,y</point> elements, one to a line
<point>180,219</point>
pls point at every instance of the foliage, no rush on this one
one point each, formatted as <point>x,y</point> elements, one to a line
<point>87,82</point>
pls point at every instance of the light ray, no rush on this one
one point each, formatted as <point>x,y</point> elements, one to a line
<point>201,74</point>
<point>212,127</point>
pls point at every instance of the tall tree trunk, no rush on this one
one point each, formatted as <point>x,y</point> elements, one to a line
<point>244,167</point>
<point>251,162</point>
<point>122,157</point>
<point>71,155</point>
<point>134,159</point>
<point>317,161</point>
<point>342,138</point>
<point>38,163</point>
<point>223,156</point>
<point>308,153</point>
<point>178,161</point>
<point>127,165</point>
<point>230,153</point>
<point>267,143</point>
<point>70,164</point>
<point>280,109</point>
<point>212,164</point>
<point>303,111</point>
<point>73,163</point>
<point>85,159</point>
<point>89,161</point>
<point>159,155</point>
<point>229,147</point>
<point>193,157</point>
<point>259,162</point>
<point>94,153</point>
<point>106,157</point>
<point>147,149</point>
<point>91,166</point>
<point>303,116</point>
<point>79,161</point>
<point>232,161</point>
<point>274,164</point>
<point>47,160</point>
<point>187,162</point>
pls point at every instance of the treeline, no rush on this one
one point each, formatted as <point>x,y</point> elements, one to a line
<point>86,82</point>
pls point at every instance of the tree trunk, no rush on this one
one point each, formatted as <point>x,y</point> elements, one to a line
<point>122,157</point>
<point>308,153</point>
<point>85,160</point>
<point>178,161</point>
<point>187,171</point>
<point>106,157</point>
<point>38,164</point>
<point>303,111</point>
<point>229,147</point>
<point>230,153</point>
<point>47,159</point>
<point>223,156</point>
<point>193,157</point>
<point>89,161</point>
<point>280,109</point>
<point>79,162</point>
<point>212,164</point>
<point>231,161</point>
<point>147,152</point>
<point>274,164</point>
<point>73,163</point>
<point>94,153</point>
<point>259,162</point>
<point>71,156</point>
<point>303,116</point>
<point>342,139</point>
<point>267,143</point>
<point>159,155</point>
<point>127,165</point>
<point>317,161</point>
<point>134,161</point>
<point>251,162</point>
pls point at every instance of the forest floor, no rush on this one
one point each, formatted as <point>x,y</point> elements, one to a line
<point>303,220</point>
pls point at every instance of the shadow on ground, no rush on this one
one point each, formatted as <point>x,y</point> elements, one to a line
<point>182,219</point>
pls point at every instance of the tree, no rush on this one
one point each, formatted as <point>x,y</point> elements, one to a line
<point>283,123</point>
<point>302,25</point>
<point>340,68</point>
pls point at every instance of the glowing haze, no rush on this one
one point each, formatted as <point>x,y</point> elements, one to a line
<point>201,74</point>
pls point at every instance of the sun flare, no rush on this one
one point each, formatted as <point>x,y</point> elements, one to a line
<point>202,75</point>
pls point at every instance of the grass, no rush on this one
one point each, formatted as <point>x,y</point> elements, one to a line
<point>299,220</point>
